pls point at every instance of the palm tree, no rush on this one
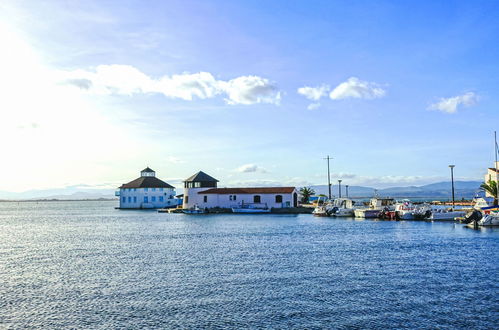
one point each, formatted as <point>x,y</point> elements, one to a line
<point>305,193</point>
<point>491,188</point>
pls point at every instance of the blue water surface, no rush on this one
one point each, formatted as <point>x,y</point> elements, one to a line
<point>87,265</point>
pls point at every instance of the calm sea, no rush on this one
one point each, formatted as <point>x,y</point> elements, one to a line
<point>87,265</point>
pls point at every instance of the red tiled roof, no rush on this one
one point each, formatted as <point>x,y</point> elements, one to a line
<point>492,169</point>
<point>257,190</point>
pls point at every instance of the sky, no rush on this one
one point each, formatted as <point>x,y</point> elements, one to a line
<point>251,92</point>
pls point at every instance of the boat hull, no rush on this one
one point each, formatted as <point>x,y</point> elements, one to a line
<point>252,211</point>
<point>366,213</point>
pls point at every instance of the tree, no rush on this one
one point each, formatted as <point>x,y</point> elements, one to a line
<point>491,188</point>
<point>305,193</point>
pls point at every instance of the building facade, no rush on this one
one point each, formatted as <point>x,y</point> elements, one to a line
<point>201,190</point>
<point>146,192</point>
<point>492,175</point>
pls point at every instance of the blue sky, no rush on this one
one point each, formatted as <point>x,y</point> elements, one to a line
<point>397,91</point>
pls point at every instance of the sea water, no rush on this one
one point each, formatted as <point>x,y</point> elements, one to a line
<point>87,265</point>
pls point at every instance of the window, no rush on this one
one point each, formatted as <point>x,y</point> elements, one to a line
<point>232,197</point>
<point>197,184</point>
<point>135,199</point>
<point>161,198</point>
<point>123,199</point>
<point>153,189</point>
<point>153,198</point>
<point>205,199</point>
<point>278,198</point>
<point>257,199</point>
<point>129,199</point>
<point>146,200</point>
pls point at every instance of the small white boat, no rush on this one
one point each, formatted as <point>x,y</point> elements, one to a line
<point>376,205</point>
<point>320,211</point>
<point>445,214</point>
<point>250,208</point>
<point>343,207</point>
<point>404,210</point>
<point>194,210</point>
<point>489,220</point>
<point>323,209</point>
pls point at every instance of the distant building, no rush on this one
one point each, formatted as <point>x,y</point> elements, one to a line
<point>491,176</point>
<point>146,192</point>
<point>201,189</point>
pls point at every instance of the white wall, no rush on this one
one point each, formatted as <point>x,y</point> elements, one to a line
<point>167,193</point>
<point>223,200</point>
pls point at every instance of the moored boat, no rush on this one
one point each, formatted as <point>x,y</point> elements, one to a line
<point>194,210</point>
<point>376,206</point>
<point>343,207</point>
<point>250,208</point>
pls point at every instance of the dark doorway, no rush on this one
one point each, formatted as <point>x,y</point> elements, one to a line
<point>295,200</point>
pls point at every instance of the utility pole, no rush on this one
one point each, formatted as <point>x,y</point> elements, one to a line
<point>328,176</point>
<point>346,187</point>
<point>339,188</point>
<point>452,180</point>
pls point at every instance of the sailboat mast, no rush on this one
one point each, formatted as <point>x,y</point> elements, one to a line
<point>495,154</point>
<point>328,176</point>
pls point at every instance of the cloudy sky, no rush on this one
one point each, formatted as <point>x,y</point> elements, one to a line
<point>251,92</point>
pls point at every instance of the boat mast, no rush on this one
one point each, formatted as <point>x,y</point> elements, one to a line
<point>496,150</point>
<point>328,176</point>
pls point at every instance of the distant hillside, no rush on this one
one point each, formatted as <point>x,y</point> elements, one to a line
<point>64,193</point>
<point>462,189</point>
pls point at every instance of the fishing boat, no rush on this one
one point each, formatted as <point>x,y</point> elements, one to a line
<point>343,207</point>
<point>376,206</point>
<point>323,208</point>
<point>445,214</point>
<point>477,219</point>
<point>406,210</point>
<point>250,208</point>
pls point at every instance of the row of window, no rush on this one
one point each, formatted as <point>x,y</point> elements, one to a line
<point>256,198</point>
<point>145,189</point>
<point>146,199</point>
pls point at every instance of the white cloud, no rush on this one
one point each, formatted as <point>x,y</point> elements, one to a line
<point>313,106</point>
<point>127,80</point>
<point>314,93</point>
<point>250,90</point>
<point>450,105</point>
<point>250,168</point>
<point>356,88</point>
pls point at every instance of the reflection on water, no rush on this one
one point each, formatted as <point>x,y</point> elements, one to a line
<point>86,265</point>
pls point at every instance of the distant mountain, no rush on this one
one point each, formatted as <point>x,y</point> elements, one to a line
<point>438,190</point>
<point>442,190</point>
<point>63,193</point>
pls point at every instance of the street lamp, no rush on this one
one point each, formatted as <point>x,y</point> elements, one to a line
<point>346,187</point>
<point>452,181</point>
<point>339,188</point>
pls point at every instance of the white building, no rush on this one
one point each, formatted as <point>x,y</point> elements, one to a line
<point>146,192</point>
<point>201,190</point>
<point>492,175</point>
